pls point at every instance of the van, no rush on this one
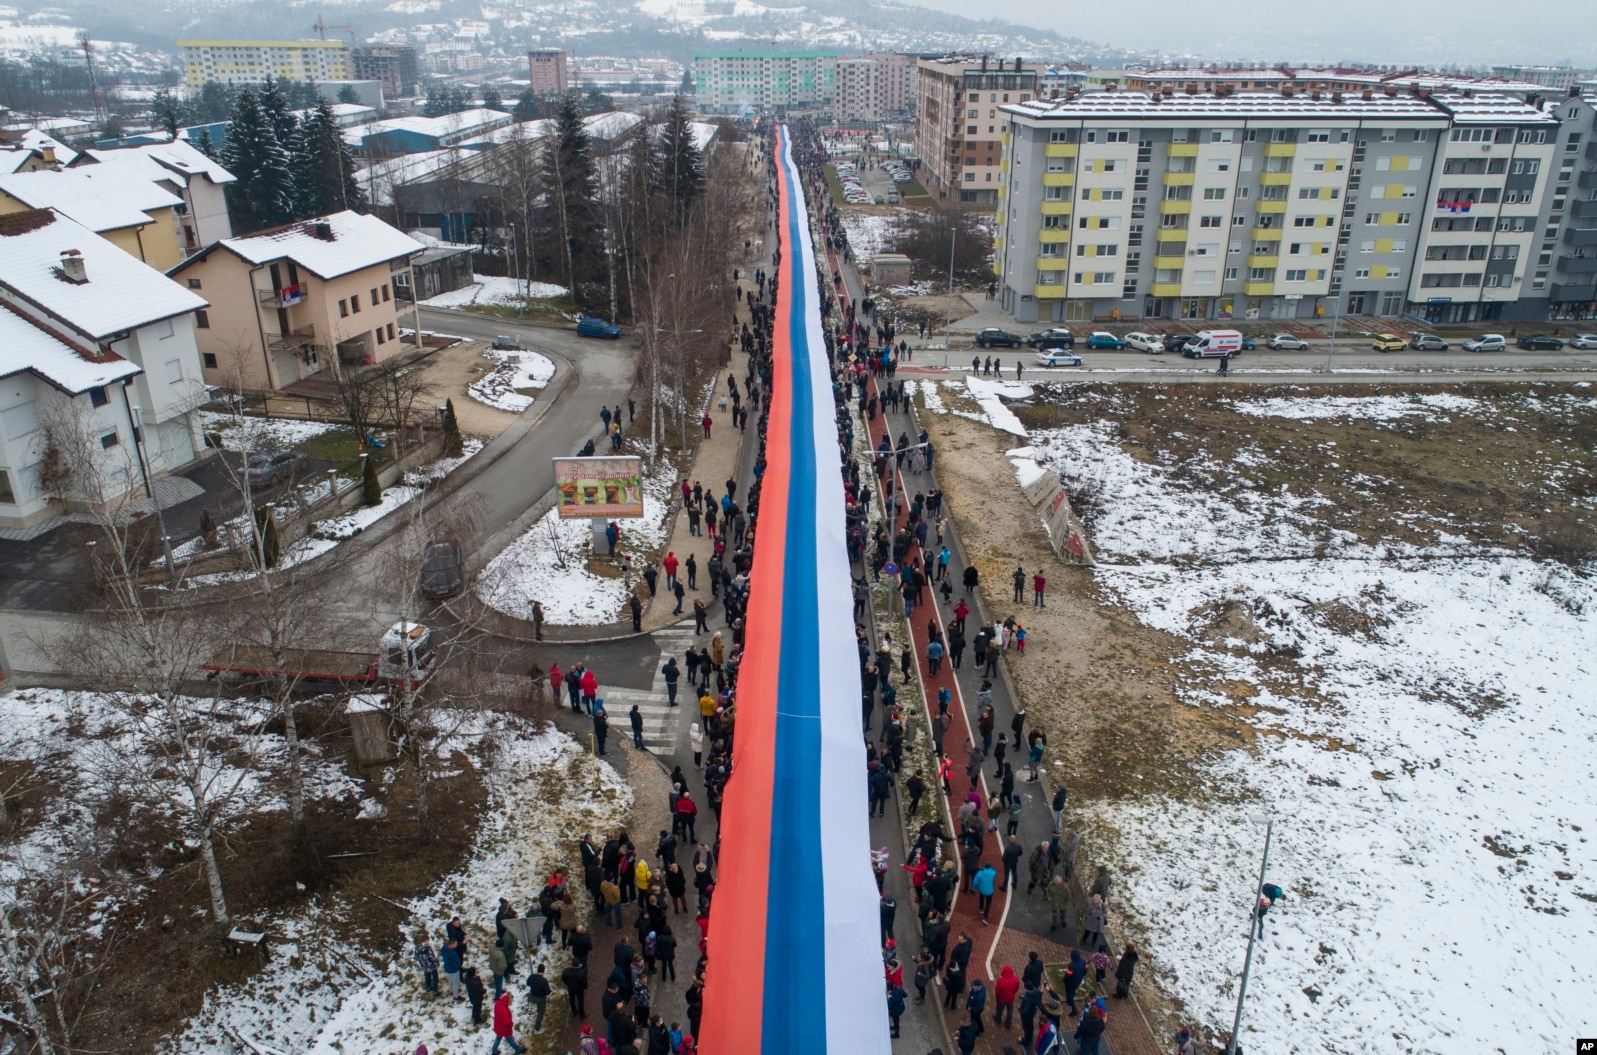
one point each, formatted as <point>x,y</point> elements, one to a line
<point>1207,344</point>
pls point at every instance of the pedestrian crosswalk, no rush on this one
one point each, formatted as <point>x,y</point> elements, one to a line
<point>664,726</point>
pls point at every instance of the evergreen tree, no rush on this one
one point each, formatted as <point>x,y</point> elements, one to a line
<point>529,107</point>
<point>279,108</point>
<point>571,182</point>
<point>434,104</point>
<point>371,488</point>
<point>687,82</point>
<point>348,94</point>
<point>453,444</point>
<point>324,169</point>
<point>459,99</point>
<point>267,548</point>
<point>679,168</point>
<point>168,111</point>
<point>262,196</point>
<point>492,99</point>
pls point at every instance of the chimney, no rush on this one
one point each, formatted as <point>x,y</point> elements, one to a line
<point>47,155</point>
<point>1336,97</point>
<point>1192,89</point>
<point>1391,91</point>
<point>1366,95</point>
<point>320,229</point>
<point>1315,95</point>
<point>1156,97</point>
<point>72,267</point>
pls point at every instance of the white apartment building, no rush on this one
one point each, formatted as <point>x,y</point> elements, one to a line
<point>252,61</point>
<point>764,82</point>
<point>1236,205</point>
<point>959,122</point>
<point>91,336</point>
<point>874,88</point>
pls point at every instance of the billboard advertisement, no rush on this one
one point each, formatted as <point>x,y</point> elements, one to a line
<point>599,488</point>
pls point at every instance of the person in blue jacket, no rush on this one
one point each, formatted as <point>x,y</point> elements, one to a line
<point>452,961</point>
<point>895,1006</point>
<point>983,882</point>
<point>976,1002</point>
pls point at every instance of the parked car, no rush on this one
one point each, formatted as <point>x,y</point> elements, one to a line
<point>442,570</point>
<point>1584,340</point>
<point>1287,342</point>
<point>1058,337</point>
<point>1143,342</point>
<point>1248,344</point>
<point>266,469</point>
<point>1057,357</point>
<point>1176,342</point>
<point>1539,342</point>
<point>892,197</point>
<point>1388,342</point>
<point>1428,342</point>
<point>1104,339</point>
<point>588,326</point>
<point>992,336</point>
<point>1486,342</point>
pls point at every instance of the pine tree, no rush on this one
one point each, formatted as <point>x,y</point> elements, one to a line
<point>262,195</point>
<point>571,181</point>
<point>348,94</point>
<point>324,169</point>
<point>267,548</point>
<point>279,108</point>
<point>453,445</point>
<point>434,106</point>
<point>371,487</point>
<point>679,169</point>
<point>168,111</point>
<point>529,107</point>
<point>492,99</point>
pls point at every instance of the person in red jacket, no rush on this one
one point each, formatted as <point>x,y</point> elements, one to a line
<point>590,689</point>
<point>504,1026</point>
<point>687,813</point>
<point>557,681</point>
<point>670,566</point>
<point>1004,992</point>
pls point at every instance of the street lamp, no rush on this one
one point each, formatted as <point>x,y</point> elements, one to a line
<point>949,324</point>
<point>1336,317</point>
<point>1254,925</point>
<point>137,414</point>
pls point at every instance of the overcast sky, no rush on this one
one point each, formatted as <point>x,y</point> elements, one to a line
<point>1476,32</point>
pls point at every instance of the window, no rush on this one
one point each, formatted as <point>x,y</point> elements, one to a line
<point>390,331</point>
<point>1054,223</point>
<point>194,283</point>
<point>1214,194</point>
<point>1063,136</point>
<point>1230,273</point>
<point>7,495</point>
<point>174,371</point>
<point>1260,274</point>
<point>1297,275</point>
<point>975,97</point>
<point>1367,246</point>
<point>343,309</point>
<point>1419,135</point>
<point>374,296</point>
<point>163,329</point>
<point>202,319</point>
<point>109,440</point>
<point>1527,167</point>
<point>1388,135</point>
<point>379,332</point>
<point>1362,272</point>
<point>970,130</point>
<point>1220,135</point>
<point>1211,221</point>
<point>1319,137</point>
<point>1394,272</point>
<point>209,360</point>
<point>97,397</point>
<point>1218,165</point>
<point>971,114</point>
<point>1239,221</point>
<point>1055,165</point>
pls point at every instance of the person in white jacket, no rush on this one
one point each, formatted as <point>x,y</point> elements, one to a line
<point>696,738</point>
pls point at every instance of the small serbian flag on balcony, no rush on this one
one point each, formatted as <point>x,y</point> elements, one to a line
<point>1454,206</point>
<point>288,296</point>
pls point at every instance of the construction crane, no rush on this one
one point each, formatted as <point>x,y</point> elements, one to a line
<point>95,94</point>
<point>321,29</point>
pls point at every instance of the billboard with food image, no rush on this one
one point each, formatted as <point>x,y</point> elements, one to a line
<point>599,488</point>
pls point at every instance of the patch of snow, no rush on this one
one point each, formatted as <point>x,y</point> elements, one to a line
<point>262,434</point>
<point>932,398</point>
<point>348,525</point>
<point>513,370</point>
<point>443,466</point>
<point>991,395</point>
<point>1367,408</point>
<point>493,289</point>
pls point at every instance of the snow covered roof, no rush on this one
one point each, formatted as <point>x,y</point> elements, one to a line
<point>13,157</point>
<point>532,130</point>
<point>33,139</point>
<point>1477,108</point>
<point>703,133</point>
<point>611,126</point>
<point>450,128</point>
<point>101,198</point>
<point>25,345</point>
<point>165,161</point>
<point>357,242</point>
<point>380,178</point>
<point>121,292</point>
<point>1092,106</point>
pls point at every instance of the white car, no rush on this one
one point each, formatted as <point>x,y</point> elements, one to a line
<point>1586,341</point>
<point>1143,342</point>
<point>1487,342</point>
<point>1057,357</point>
<point>1285,341</point>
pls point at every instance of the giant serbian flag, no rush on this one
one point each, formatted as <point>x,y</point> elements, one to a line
<point>795,963</point>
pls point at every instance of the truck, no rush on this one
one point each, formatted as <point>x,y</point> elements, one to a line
<point>1206,344</point>
<point>404,655</point>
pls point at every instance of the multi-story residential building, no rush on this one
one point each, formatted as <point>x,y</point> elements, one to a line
<point>1311,79</point>
<point>293,301</point>
<point>181,170</point>
<point>549,75</point>
<point>1559,78</point>
<point>1562,278</point>
<point>252,61</point>
<point>764,82</point>
<point>138,215</point>
<point>393,64</point>
<point>959,126</point>
<point>101,346</point>
<point>874,87</point>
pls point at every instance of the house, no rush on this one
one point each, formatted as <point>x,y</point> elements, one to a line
<point>93,338</point>
<point>287,299</point>
<point>31,150</point>
<point>136,215</point>
<point>179,169</point>
<point>440,268</point>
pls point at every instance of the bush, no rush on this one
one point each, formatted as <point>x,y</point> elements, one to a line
<point>453,445</point>
<point>267,548</point>
<point>371,487</point>
<point>207,530</point>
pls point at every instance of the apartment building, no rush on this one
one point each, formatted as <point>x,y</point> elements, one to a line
<point>764,82</point>
<point>959,124</point>
<point>98,344</point>
<point>252,61</point>
<point>394,65</point>
<point>291,302</point>
<point>1239,205</point>
<point>1565,269</point>
<point>874,87</point>
<point>1559,78</point>
<point>548,71</point>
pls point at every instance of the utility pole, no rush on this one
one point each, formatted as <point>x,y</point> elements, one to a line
<point>949,324</point>
<point>1253,928</point>
<point>1336,317</point>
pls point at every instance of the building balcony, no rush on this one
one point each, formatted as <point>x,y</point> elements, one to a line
<point>1270,208</point>
<point>281,298</point>
<point>1580,236</point>
<point>1578,265</point>
<point>998,218</point>
<point>1053,235</point>
<point>1056,208</point>
<point>1059,150</point>
<point>1253,288</point>
<point>1587,179</point>
<point>1003,191</point>
<point>1583,210</point>
<point>1180,179</point>
<point>1266,234</point>
<point>1274,179</point>
<point>1042,292</point>
<point>293,340</point>
<point>1004,139</point>
<point>1280,150</point>
<point>1169,263</point>
<point>1182,150</point>
<point>1164,289</point>
<point>1003,165</point>
<point>1174,208</point>
<point>1058,179</point>
<point>1170,234</point>
<point>1260,260</point>
<point>1591,150</point>
<point>1053,263</point>
<point>1566,294</point>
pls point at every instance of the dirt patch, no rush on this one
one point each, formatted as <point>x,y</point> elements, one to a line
<point>452,372</point>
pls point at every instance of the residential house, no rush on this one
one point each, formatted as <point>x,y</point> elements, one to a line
<point>138,216</point>
<point>178,169</point>
<point>93,338</point>
<point>295,300</point>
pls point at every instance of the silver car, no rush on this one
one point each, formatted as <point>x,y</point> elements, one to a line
<point>1286,341</point>
<point>1586,341</point>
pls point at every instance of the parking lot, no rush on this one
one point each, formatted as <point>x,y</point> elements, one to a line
<point>865,186</point>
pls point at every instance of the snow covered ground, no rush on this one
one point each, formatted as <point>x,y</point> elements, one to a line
<point>316,995</point>
<point>1425,715</point>
<point>549,562</point>
<point>869,233</point>
<point>261,434</point>
<point>491,289</point>
<point>512,371</point>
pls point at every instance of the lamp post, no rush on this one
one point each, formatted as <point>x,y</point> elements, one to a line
<point>1253,928</point>
<point>1336,317</point>
<point>149,489</point>
<point>948,325</point>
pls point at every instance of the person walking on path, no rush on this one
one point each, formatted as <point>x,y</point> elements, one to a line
<point>1093,921</point>
<point>680,593</point>
<point>669,563</point>
<point>1005,991</point>
<point>984,882</point>
<point>1019,579</point>
<point>427,960</point>
<point>504,1026</point>
<point>1124,971</point>
<point>538,993</point>
<point>1038,585</point>
<point>701,616</point>
<point>601,727</point>
<point>636,607</point>
<point>475,992</point>
<point>972,578</point>
<point>537,621</point>
<point>934,656</point>
<point>637,726</point>
<point>672,674</point>
<point>451,959</point>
